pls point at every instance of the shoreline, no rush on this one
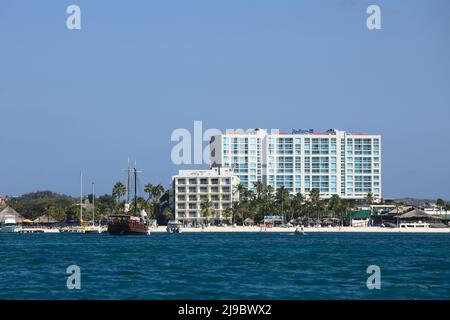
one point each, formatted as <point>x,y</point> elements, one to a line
<point>230,229</point>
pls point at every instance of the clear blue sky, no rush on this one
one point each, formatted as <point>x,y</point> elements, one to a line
<point>88,99</point>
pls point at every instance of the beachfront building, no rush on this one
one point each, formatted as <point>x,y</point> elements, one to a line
<point>191,188</point>
<point>334,162</point>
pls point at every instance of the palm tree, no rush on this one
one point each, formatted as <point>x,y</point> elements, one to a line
<point>236,207</point>
<point>227,214</point>
<point>334,205</point>
<point>282,199</point>
<point>206,210</point>
<point>369,200</point>
<point>314,198</point>
<point>297,204</point>
<point>157,192</point>
<point>167,213</point>
<point>259,187</point>
<point>148,188</point>
<point>118,191</point>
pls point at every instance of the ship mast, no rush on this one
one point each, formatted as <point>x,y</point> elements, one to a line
<point>128,182</point>
<point>93,204</point>
<point>135,188</point>
<point>81,197</point>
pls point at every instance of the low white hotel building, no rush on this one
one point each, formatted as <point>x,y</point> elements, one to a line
<point>335,162</point>
<point>190,188</point>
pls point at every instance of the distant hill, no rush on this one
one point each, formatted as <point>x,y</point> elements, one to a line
<point>44,195</point>
<point>34,204</point>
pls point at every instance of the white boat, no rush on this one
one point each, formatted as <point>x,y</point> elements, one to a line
<point>173,227</point>
<point>9,224</point>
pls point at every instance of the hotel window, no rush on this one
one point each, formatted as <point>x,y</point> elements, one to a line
<point>203,198</point>
<point>333,184</point>
<point>192,214</point>
<point>333,146</point>
<point>215,181</point>
<point>307,146</point>
<point>298,165</point>
<point>192,206</point>
<point>307,165</point>
<point>307,183</point>
<point>192,181</point>
<point>225,189</point>
<point>192,198</point>
<point>192,189</point>
<point>333,164</point>
<point>298,148</point>
<point>363,184</point>
<point>203,189</point>
<point>214,189</point>
<point>181,189</point>
<point>181,181</point>
<point>203,181</point>
<point>298,183</point>
<point>363,165</point>
<point>181,198</point>
<point>271,181</point>
<point>180,214</point>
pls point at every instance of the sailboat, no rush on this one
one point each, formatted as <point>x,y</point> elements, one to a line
<point>126,223</point>
<point>80,228</point>
<point>93,228</point>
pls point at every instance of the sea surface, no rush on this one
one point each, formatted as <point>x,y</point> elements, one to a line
<point>225,266</point>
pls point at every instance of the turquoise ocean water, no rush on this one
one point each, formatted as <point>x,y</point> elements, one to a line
<point>225,266</point>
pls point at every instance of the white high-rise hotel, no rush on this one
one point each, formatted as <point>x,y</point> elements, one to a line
<point>335,162</point>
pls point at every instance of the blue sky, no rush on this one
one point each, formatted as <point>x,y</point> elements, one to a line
<point>88,99</point>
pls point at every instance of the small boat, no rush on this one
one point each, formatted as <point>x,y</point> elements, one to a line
<point>9,224</point>
<point>173,227</point>
<point>301,231</point>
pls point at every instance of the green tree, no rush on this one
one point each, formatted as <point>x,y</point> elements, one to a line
<point>335,205</point>
<point>227,214</point>
<point>206,210</point>
<point>167,213</point>
<point>297,204</point>
<point>283,201</point>
<point>118,191</point>
<point>148,188</point>
<point>315,203</point>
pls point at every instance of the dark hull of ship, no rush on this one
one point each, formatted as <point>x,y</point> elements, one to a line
<point>127,228</point>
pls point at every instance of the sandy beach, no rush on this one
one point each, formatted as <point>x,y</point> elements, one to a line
<point>308,230</point>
